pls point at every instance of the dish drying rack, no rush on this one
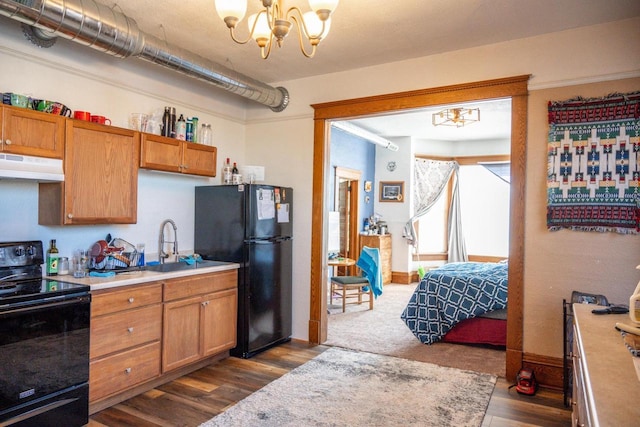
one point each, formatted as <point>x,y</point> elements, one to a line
<point>122,255</point>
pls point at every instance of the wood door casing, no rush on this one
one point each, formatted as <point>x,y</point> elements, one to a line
<point>349,226</point>
<point>510,87</point>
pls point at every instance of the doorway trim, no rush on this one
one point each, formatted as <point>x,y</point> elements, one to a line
<point>354,177</point>
<point>511,87</point>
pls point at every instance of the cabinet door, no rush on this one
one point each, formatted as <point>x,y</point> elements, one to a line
<point>199,159</point>
<point>32,133</point>
<point>160,153</point>
<point>219,322</point>
<point>101,174</point>
<point>181,333</point>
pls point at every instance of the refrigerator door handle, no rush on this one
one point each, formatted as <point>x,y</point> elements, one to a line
<point>268,241</point>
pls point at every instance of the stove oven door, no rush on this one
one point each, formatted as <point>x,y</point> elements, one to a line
<point>44,362</point>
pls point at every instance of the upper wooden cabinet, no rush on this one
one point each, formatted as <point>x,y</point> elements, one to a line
<point>172,155</point>
<point>101,178</point>
<point>31,133</point>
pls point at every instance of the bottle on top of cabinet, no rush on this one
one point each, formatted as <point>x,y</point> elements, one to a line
<point>181,129</point>
<point>194,123</point>
<point>166,122</point>
<point>206,134</point>
<point>52,259</point>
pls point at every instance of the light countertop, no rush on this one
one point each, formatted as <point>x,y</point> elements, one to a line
<point>138,277</point>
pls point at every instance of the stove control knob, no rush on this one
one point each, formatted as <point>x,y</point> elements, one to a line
<point>31,250</point>
<point>19,251</point>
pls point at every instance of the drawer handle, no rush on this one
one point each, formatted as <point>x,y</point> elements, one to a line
<point>127,371</point>
<point>131,300</point>
<point>8,142</point>
<point>130,330</point>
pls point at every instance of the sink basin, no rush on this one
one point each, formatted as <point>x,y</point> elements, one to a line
<point>168,267</point>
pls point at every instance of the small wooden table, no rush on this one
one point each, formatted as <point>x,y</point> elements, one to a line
<point>341,262</point>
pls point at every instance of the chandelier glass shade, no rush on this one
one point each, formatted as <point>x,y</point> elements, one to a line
<point>457,117</point>
<point>273,23</point>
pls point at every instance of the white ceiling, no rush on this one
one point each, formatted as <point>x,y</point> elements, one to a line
<point>370,32</point>
<point>494,124</point>
<point>365,33</point>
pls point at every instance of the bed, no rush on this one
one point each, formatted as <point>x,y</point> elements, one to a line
<point>460,302</point>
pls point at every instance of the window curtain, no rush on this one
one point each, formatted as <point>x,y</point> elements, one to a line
<point>430,181</point>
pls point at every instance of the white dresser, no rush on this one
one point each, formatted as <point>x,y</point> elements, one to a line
<point>606,387</point>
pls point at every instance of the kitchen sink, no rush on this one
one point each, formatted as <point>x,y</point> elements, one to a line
<point>168,267</point>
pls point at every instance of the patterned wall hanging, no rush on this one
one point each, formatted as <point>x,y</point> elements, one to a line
<point>593,179</point>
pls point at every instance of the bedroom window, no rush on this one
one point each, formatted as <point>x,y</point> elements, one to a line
<point>484,202</point>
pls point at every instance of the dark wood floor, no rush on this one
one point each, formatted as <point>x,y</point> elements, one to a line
<point>195,398</point>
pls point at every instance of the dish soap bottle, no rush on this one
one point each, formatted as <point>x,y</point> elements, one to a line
<point>52,259</point>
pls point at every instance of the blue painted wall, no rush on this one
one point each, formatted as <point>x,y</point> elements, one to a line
<point>353,152</point>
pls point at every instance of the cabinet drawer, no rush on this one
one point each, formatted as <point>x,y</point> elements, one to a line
<point>111,301</point>
<point>123,370</point>
<point>117,331</point>
<point>200,284</point>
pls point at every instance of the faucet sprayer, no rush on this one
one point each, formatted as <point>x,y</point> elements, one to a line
<point>162,255</point>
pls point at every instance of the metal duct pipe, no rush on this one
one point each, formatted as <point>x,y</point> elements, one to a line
<point>97,26</point>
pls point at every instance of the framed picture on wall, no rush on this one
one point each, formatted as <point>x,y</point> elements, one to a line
<point>391,191</point>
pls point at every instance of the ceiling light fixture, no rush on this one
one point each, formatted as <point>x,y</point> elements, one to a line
<point>365,134</point>
<point>457,117</point>
<point>273,22</point>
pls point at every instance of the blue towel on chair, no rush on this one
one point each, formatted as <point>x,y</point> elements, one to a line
<point>369,263</point>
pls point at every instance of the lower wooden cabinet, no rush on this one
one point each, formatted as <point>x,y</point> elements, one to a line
<point>200,315</point>
<point>123,370</point>
<point>126,328</point>
<point>140,332</point>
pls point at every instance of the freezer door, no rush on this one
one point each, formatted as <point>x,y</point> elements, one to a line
<point>270,211</point>
<point>220,223</point>
<point>269,305</point>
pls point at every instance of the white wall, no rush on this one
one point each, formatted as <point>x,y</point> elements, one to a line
<point>394,213</point>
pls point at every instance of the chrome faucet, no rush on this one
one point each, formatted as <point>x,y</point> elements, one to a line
<point>162,255</point>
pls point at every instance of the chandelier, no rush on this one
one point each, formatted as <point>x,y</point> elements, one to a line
<point>274,23</point>
<point>457,117</point>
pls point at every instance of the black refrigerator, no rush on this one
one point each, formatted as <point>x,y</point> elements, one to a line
<point>251,225</point>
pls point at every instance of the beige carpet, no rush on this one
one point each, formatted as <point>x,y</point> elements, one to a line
<point>381,331</point>
<point>345,388</point>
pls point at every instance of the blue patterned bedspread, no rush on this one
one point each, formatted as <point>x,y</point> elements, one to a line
<point>455,292</point>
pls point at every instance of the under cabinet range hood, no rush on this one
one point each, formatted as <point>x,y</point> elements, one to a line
<point>42,169</point>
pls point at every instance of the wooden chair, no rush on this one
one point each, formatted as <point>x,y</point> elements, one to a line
<point>353,287</point>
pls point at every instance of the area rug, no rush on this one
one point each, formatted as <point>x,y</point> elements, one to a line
<point>382,331</point>
<point>350,388</point>
<point>593,182</point>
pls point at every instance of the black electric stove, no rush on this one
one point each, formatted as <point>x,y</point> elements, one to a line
<point>21,278</point>
<point>44,343</point>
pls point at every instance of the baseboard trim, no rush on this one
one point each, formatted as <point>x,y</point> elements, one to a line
<point>548,370</point>
<point>403,277</point>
